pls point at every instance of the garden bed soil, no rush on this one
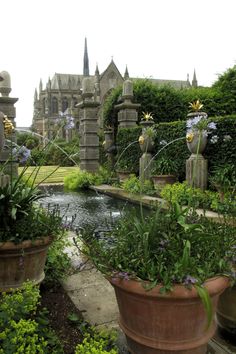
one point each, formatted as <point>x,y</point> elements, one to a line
<point>60,306</point>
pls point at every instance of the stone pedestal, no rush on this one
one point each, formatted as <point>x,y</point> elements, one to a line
<point>8,109</point>
<point>127,111</point>
<point>145,166</point>
<point>89,140</point>
<point>197,171</point>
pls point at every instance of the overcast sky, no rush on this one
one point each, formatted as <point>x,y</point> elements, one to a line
<point>163,39</point>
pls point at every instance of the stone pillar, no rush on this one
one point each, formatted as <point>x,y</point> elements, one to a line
<point>146,144</point>
<point>89,140</point>
<point>197,165</point>
<point>7,108</point>
<point>3,178</point>
<point>127,111</point>
<point>196,171</point>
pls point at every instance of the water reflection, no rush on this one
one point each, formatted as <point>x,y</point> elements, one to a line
<point>88,207</point>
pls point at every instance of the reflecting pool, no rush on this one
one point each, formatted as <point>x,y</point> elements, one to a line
<point>88,207</point>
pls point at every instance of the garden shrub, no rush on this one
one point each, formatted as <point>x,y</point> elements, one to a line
<point>134,185</point>
<point>128,160</point>
<point>58,262</point>
<point>98,342</point>
<point>184,194</point>
<point>23,329</point>
<point>79,180</point>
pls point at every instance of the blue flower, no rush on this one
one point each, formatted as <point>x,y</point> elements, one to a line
<point>21,154</point>
<point>189,280</point>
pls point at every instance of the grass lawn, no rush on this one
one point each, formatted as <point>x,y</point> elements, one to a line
<point>56,174</point>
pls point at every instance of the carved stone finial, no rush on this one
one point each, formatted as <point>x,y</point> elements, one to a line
<point>87,88</point>
<point>5,83</point>
<point>128,89</point>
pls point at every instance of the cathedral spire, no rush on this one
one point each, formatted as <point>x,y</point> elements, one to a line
<point>194,80</point>
<point>86,60</point>
<point>126,75</point>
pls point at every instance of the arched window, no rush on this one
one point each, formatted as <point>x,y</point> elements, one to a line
<point>64,104</point>
<point>112,79</point>
<point>54,105</point>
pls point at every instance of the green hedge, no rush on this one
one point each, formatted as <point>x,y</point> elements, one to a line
<point>168,104</point>
<point>224,151</point>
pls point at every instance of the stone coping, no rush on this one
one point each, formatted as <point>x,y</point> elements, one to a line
<point>149,201</point>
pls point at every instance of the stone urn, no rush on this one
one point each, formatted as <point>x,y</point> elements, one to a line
<point>146,141</point>
<point>196,141</point>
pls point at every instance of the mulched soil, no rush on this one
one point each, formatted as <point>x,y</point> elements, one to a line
<point>60,307</point>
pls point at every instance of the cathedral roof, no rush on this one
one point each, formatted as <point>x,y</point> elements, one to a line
<point>66,81</point>
<point>178,84</point>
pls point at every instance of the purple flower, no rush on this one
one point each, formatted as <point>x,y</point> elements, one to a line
<point>193,122</point>
<point>163,244</point>
<point>69,122</point>
<point>189,280</point>
<point>211,125</point>
<point>22,154</point>
<point>121,275</point>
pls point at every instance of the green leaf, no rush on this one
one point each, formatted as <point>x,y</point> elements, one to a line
<point>206,300</point>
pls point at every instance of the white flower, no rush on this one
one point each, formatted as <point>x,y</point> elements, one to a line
<point>214,139</point>
<point>227,138</point>
<point>163,142</point>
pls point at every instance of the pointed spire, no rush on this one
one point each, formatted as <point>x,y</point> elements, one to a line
<point>194,80</point>
<point>97,71</point>
<point>126,75</point>
<point>35,95</point>
<point>40,85</point>
<point>49,84</point>
<point>86,60</point>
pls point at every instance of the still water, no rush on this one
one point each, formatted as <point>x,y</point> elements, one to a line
<point>88,207</point>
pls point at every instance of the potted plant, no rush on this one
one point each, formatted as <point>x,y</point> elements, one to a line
<point>26,229</point>
<point>163,172</point>
<point>123,169</point>
<point>168,269</point>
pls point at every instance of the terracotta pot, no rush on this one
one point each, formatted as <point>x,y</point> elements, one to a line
<point>172,323</point>
<point>123,175</point>
<point>162,180</point>
<point>226,312</point>
<point>22,262</point>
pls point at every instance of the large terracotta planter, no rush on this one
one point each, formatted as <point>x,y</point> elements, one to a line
<point>172,323</point>
<point>22,262</point>
<point>123,175</point>
<point>163,180</point>
<point>226,312</point>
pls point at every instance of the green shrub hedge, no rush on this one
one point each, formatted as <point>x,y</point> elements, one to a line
<point>223,151</point>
